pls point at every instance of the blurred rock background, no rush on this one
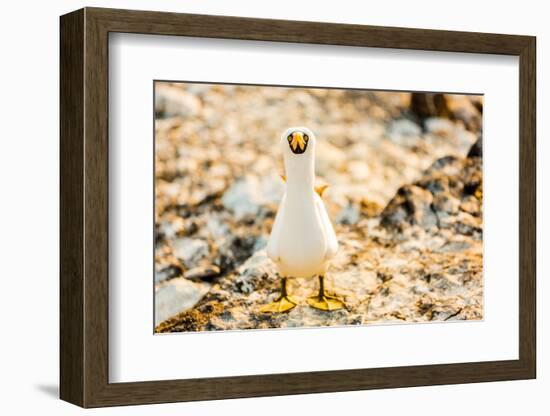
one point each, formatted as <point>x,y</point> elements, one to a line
<point>405,197</point>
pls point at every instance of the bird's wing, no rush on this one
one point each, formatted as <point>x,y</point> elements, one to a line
<point>332,241</point>
<point>275,236</point>
<point>320,190</point>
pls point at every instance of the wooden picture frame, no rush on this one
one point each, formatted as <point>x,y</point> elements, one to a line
<point>84,207</point>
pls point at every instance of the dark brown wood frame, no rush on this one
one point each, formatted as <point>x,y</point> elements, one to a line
<point>84,207</point>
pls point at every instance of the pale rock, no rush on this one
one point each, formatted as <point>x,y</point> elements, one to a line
<point>349,215</point>
<point>454,246</point>
<point>177,296</point>
<point>167,273</point>
<point>445,203</point>
<point>328,157</point>
<point>176,102</point>
<point>439,126</point>
<point>359,170</point>
<point>171,227</point>
<point>404,132</point>
<point>201,272</point>
<point>217,227</point>
<point>247,196</point>
<point>257,267</point>
<point>471,205</point>
<point>190,250</point>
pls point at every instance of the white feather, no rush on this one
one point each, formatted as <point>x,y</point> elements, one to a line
<point>330,235</point>
<point>274,239</point>
<point>302,238</point>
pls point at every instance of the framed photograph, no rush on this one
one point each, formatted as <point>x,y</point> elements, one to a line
<point>255,207</point>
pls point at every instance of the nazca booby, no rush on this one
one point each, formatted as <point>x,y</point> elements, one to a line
<point>302,239</point>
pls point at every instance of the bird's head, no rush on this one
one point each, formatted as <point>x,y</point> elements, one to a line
<point>297,140</point>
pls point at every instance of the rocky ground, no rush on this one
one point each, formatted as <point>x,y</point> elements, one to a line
<point>405,197</point>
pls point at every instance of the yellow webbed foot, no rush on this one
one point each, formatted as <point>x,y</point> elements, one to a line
<point>281,304</point>
<point>326,302</point>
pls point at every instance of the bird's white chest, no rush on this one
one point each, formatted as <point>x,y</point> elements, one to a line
<point>303,242</point>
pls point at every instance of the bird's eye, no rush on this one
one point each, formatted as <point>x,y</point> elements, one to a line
<point>306,137</point>
<point>289,137</point>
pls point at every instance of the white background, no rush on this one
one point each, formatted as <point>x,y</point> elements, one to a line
<point>29,209</point>
<point>131,189</point>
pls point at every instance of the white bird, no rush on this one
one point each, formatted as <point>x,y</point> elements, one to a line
<point>302,239</point>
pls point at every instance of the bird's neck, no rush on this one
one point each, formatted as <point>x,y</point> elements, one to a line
<point>300,174</point>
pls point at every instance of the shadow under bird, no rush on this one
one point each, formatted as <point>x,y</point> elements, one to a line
<point>302,239</point>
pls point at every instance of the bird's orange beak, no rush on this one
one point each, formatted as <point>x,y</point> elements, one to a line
<point>298,141</point>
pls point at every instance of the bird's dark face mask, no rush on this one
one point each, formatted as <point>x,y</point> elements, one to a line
<point>298,142</point>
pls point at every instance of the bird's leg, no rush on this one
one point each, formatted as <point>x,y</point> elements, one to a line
<point>323,300</point>
<point>283,303</point>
